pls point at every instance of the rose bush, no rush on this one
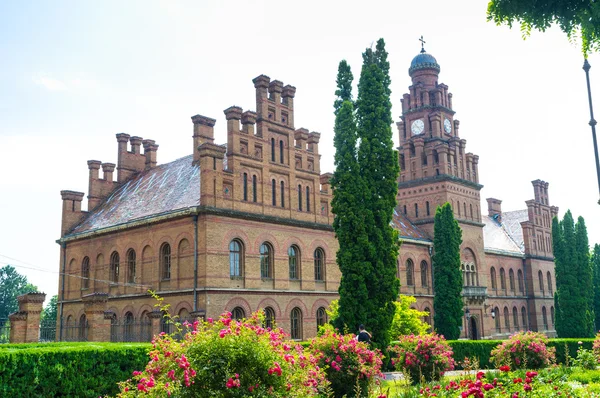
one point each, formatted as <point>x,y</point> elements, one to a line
<point>227,358</point>
<point>524,350</point>
<point>422,357</point>
<point>349,365</point>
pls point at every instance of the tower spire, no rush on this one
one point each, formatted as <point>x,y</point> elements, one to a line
<point>422,44</point>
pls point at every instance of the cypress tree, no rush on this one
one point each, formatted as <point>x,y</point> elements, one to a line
<point>596,268</point>
<point>557,248</point>
<point>447,302</point>
<point>585,277</point>
<point>574,312</point>
<point>379,168</point>
<point>347,205</point>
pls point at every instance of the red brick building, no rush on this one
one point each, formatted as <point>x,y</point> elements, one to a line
<point>247,225</point>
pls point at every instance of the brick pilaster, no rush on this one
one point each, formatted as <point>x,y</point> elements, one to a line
<point>25,324</point>
<point>95,306</point>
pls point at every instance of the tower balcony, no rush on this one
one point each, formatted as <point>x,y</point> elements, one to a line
<point>474,294</point>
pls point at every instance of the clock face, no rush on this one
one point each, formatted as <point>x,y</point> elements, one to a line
<point>417,127</point>
<point>447,126</point>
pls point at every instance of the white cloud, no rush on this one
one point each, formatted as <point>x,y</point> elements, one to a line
<point>50,83</point>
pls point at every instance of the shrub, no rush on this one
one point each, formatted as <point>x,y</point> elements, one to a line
<point>427,356</point>
<point>480,349</point>
<point>524,350</point>
<point>227,358</point>
<point>408,320</point>
<point>348,364</point>
<point>585,359</point>
<point>67,369</point>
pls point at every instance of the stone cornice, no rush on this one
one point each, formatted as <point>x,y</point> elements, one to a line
<point>428,108</point>
<point>459,220</point>
<point>440,178</point>
<point>196,211</point>
<point>535,257</point>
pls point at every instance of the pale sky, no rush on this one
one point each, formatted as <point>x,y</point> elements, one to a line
<point>73,74</point>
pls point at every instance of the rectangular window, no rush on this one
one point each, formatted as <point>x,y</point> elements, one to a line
<point>282,194</point>
<point>308,199</point>
<point>280,151</point>
<point>416,210</point>
<point>427,205</point>
<point>245,182</point>
<point>254,198</point>
<point>299,197</point>
<point>274,192</point>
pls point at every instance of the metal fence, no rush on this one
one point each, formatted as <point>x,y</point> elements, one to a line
<point>47,332</point>
<point>128,330</point>
<point>4,331</point>
<point>75,331</point>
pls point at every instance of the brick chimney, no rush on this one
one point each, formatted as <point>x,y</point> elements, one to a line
<point>203,132</point>
<point>495,209</point>
<point>71,210</point>
<point>131,162</point>
<point>150,149</point>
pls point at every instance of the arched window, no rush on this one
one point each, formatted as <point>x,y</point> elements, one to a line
<point>145,327</point>
<point>321,317</point>
<point>308,199</point>
<point>299,197</point>
<point>282,188</point>
<point>427,208</point>
<point>458,207</point>
<point>269,318</point>
<point>515,318</point>
<point>266,261</point>
<point>85,272</point>
<point>114,328</point>
<point>254,196</point>
<point>506,319</point>
<point>524,318</point>
<point>165,324</point>
<point>296,324</point>
<point>404,209</point>
<point>552,315</point>
<point>544,318</point>
<point>128,327</point>
<point>319,264</point>
<point>549,279</point>
<point>465,208</point>
<point>245,187</point>
<point>238,313</point>
<point>410,272</point>
<point>236,259</point>
<point>471,207</point>
<point>473,275</point>
<point>114,267</point>
<point>416,210</point>
<point>280,151</point>
<point>541,280</point>
<point>493,277</point>
<point>131,266</point>
<point>165,261</point>
<point>520,280</point>
<point>274,192</point>
<point>293,262</point>
<point>272,149</point>
<point>83,328</point>
<point>511,280</point>
<point>497,319</point>
<point>424,272</point>
<point>427,318</point>
<point>502,279</point>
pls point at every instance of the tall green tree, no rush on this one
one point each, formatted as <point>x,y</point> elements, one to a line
<point>447,302</point>
<point>574,299</point>
<point>364,189</point>
<point>577,18</point>
<point>347,205</point>
<point>12,285</point>
<point>379,168</point>
<point>596,268</point>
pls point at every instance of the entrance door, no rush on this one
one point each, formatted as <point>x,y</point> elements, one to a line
<point>473,333</point>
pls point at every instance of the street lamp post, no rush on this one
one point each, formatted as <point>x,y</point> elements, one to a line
<point>586,68</point>
<point>468,317</point>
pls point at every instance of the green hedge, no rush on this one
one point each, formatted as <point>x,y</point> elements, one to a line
<point>68,370</point>
<point>480,349</point>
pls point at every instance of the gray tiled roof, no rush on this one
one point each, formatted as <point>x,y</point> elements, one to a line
<point>503,238</point>
<point>163,189</point>
<point>407,229</point>
<point>512,222</point>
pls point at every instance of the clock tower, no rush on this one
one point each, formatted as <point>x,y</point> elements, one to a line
<point>435,166</point>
